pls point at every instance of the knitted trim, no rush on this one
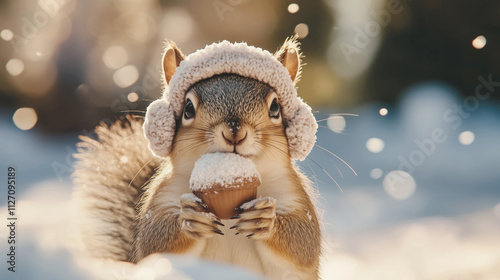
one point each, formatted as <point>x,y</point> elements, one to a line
<point>240,59</point>
<point>243,60</point>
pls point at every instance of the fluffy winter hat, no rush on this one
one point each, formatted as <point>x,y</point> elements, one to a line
<point>280,71</point>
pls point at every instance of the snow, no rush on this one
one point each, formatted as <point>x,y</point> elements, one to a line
<point>228,170</point>
<point>309,215</point>
<point>250,204</point>
<point>447,228</point>
<point>190,196</point>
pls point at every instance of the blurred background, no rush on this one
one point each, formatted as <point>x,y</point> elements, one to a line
<point>406,94</point>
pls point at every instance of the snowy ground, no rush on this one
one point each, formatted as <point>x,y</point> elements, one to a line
<point>439,220</point>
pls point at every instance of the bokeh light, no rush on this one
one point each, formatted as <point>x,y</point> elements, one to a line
<point>336,123</point>
<point>293,8</point>
<point>15,67</point>
<point>140,27</point>
<point>7,34</point>
<point>496,211</point>
<point>376,173</point>
<point>375,145</point>
<point>466,137</point>
<point>112,55</point>
<point>126,76</point>
<point>123,159</point>
<point>400,185</point>
<point>175,18</point>
<point>302,30</point>
<point>36,80</point>
<point>133,97</point>
<point>25,118</point>
<point>479,42</point>
<point>115,57</point>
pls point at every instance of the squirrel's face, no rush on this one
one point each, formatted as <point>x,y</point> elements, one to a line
<point>230,113</point>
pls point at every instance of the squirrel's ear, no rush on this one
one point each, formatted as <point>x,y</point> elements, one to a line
<point>172,57</point>
<point>159,127</point>
<point>290,56</point>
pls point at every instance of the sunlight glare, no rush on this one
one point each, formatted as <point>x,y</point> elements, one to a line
<point>7,34</point>
<point>399,185</point>
<point>302,30</point>
<point>375,145</point>
<point>15,67</point>
<point>126,76</point>
<point>479,42</point>
<point>115,57</point>
<point>336,124</point>
<point>466,137</point>
<point>133,97</point>
<point>25,118</point>
<point>383,111</point>
<point>293,8</point>
<point>376,173</point>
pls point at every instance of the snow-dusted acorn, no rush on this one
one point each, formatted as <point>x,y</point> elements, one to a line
<point>224,181</point>
<point>230,105</point>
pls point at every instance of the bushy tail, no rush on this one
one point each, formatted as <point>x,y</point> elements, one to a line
<point>109,179</point>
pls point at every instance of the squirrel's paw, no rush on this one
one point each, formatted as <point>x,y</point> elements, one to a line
<point>257,218</point>
<point>195,220</point>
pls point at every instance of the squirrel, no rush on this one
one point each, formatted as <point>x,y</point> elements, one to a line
<point>131,197</point>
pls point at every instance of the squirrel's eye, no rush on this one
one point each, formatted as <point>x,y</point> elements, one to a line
<point>189,109</point>
<point>274,110</point>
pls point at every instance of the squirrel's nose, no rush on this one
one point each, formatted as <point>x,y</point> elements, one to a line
<point>234,125</point>
<point>234,139</point>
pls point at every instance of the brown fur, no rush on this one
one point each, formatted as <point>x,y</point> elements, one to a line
<point>133,208</point>
<point>108,180</point>
<point>297,236</point>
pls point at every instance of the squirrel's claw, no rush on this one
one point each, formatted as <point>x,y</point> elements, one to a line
<point>257,219</point>
<point>218,232</point>
<point>217,222</point>
<point>195,221</point>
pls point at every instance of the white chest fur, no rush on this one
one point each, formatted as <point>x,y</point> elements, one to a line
<point>234,249</point>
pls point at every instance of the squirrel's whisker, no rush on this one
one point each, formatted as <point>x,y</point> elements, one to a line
<point>343,161</point>
<point>133,178</point>
<point>326,172</point>
<point>341,176</point>
<point>133,111</point>
<point>338,114</point>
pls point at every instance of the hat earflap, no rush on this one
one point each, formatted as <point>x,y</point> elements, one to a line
<point>159,127</point>
<point>159,123</point>
<point>301,132</point>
